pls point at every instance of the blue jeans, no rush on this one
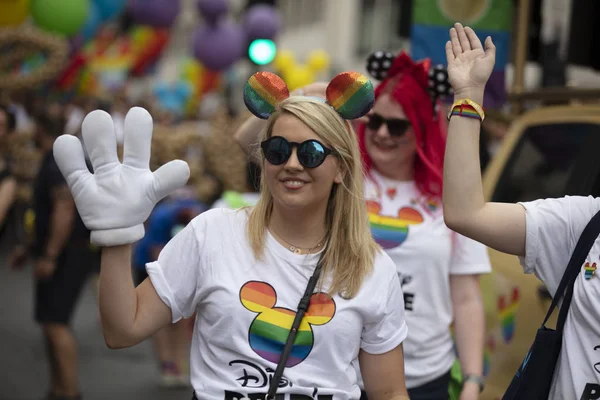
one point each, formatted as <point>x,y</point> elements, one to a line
<point>436,389</point>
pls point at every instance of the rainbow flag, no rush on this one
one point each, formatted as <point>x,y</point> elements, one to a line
<point>431,20</point>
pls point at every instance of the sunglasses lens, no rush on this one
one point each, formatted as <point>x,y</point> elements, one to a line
<point>311,154</point>
<point>375,122</point>
<point>397,127</point>
<point>277,150</point>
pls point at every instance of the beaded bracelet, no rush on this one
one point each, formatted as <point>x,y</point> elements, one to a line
<point>467,108</point>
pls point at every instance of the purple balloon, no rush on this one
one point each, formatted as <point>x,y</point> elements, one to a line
<point>156,13</point>
<point>262,22</point>
<point>212,10</point>
<point>217,47</point>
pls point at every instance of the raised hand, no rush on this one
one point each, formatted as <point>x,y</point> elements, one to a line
<point>469,65</point>
<point>115,201</point>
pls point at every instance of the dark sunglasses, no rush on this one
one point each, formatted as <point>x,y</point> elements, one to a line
<point>396,127</point>
<point>311,153</point>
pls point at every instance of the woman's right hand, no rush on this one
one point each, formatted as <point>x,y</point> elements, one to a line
<point>117,198</point>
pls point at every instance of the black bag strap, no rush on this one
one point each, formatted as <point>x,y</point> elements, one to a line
<point>582,249</point>
<point>302,307</point>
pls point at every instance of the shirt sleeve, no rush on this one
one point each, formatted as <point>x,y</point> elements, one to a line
<point>178,273</point>
<point>553,227</point>
<point>386,328</point>
<point>468,256</point>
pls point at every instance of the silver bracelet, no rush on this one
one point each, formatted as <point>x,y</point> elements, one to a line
<point>479,380</point>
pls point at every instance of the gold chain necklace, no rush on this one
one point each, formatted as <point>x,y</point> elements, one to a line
<point>296,249</point>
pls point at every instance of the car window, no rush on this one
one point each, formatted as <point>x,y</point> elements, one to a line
<point>550,160</point>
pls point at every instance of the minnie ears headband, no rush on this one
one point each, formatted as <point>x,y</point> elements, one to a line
<point>381,63</point>
<point>349,93</point>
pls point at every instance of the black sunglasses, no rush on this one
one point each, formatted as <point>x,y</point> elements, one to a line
<point>396,127</point>
<point>311,153</point>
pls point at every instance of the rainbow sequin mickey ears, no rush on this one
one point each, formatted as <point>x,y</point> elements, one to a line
<point>350,94</point>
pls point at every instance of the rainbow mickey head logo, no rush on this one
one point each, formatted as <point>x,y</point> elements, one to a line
<point>390,232</point>
<point>269,330</point>
<point>507,310</point>
<point>589,270</point>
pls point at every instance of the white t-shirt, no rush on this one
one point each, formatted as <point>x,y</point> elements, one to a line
<point>245,308</point>
<point>411,229</point>
<point>553,229</point>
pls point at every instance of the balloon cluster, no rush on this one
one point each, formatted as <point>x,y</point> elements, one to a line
<point>71,18</point>
<point>219,42</point>
<point>298,75</point>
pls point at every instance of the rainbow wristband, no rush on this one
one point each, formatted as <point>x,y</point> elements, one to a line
<point>467,108</point>
<point>465,111</point>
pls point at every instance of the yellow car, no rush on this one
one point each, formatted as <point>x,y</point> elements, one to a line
<point>548,152</point>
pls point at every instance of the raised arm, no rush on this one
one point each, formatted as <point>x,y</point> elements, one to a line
<point>247,133</point>
<point>129,315</point>
<point>500,226</point>
<point>114,202</point>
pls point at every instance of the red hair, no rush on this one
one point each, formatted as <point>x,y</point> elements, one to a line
<point>407,84</point>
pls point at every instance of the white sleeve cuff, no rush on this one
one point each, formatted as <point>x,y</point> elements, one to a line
<point>388,345</point>
<point>531,241</point>
<point>163,290</point>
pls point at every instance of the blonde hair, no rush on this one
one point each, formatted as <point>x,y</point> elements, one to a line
<point>350,251</point>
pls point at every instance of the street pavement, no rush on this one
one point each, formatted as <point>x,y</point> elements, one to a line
<point>128,374</point>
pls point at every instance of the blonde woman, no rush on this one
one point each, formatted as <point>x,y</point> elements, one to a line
<point>243,272</point>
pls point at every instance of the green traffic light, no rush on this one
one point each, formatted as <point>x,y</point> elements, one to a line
<point>262,51</point>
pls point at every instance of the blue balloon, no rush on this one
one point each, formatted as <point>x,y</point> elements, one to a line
<point>110,8</point>
<point>92,24</point>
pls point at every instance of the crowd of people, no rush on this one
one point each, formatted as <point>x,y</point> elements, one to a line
<point>340,271</point>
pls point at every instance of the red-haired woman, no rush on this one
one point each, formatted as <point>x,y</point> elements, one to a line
<point>403,143</point>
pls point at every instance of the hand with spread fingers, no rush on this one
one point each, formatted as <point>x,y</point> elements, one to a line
<point>469,64</point>
<point>116,199</point>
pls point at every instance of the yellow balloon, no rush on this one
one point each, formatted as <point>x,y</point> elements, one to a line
<point>298,77</point>
<point>284,60</point>
<point>13,12</point>
<point>318,60</point>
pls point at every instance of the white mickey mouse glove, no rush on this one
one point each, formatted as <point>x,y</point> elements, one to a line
<point>115,201</point>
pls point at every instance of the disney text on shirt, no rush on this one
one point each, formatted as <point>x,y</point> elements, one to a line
<point>409,298</point>
<point>252,376</point>
<point>591,391</point>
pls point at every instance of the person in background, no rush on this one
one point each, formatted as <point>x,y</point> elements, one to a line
<point>231,199</point>
<point>8,184</point>
<point>171,343</point>
<point>62,258</point>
